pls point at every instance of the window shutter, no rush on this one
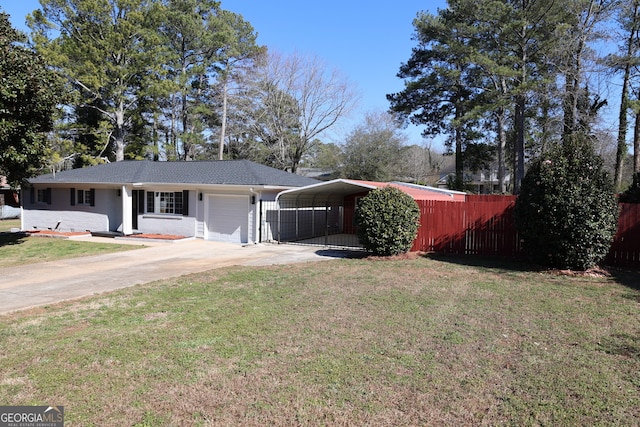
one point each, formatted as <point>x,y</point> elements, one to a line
<point>73,197</point>
<point>32,195</point>
<point>48,196</point>
<point>140,201</point>
<point>185,203</point>
<point>93,196</point>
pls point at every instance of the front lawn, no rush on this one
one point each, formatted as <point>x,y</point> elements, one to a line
<point>20,249</point>
<point>8,224</point>
<point>346,342</point>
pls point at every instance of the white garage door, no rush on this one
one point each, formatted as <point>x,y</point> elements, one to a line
<point>228,219</point>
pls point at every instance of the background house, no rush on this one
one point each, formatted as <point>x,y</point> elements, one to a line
<point>9,200</point>
<point>483,181</point>
<point>213,200</point>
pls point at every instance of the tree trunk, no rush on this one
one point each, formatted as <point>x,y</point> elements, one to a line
<point>185,143</point>
<point>118,133</point>
<point>223,126</point>
<point>621,150</point>
<point>518,167</point>
<point>520,105</point>
<point>502,145</point>
<point>636,145</point>
<point>459,181</point>
<point>570,105</point>
<point>156,139</point>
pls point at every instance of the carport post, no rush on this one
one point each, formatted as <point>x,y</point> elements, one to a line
<point>326,224</point>
<point>313,219</point>
<point>297,221</point>
<point>278,231</point>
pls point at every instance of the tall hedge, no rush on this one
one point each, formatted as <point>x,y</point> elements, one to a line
<point>566,212</point>
<point>632,194</point>
<point>387,221</point>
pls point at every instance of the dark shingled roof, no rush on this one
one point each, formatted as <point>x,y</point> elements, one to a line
<point>222,172</point>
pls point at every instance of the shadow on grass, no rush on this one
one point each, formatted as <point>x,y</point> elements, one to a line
<point>626,276</point>
<point>342,253</point>
<point>9,239</point>
<point>487,262</point>
<point>627,345</point>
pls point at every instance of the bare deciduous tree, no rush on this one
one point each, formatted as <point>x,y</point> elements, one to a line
<point>301,100</point>
<point>373,150</point>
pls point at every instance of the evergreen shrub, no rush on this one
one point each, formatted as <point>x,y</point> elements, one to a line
<point>632,194</point>
<point>387,221</point>
<point>566,212</point>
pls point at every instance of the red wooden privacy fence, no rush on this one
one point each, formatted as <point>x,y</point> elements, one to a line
<point>625,249</point>
<point>484,225</point>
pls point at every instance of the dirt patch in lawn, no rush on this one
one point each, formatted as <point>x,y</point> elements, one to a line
<point>592,272</point>
<point>400,257</point>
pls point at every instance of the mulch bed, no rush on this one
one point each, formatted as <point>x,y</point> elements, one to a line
<point>156,236</point>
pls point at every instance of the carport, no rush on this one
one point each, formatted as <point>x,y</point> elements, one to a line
<point>323,213</point>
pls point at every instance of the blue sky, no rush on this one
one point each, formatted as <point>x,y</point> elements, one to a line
<point>365,40</point>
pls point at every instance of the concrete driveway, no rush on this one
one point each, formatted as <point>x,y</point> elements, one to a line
<point>51,282</point>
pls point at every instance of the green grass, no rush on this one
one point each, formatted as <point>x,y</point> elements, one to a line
<point>19,249</point>
<point>345,342</point>
<point>8,224</point>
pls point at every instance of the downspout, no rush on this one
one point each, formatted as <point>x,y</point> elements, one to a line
<point>260,222</point>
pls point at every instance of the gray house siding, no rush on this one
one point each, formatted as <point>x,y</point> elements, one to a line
<point>63,212</point>
<point>220,199</point>
<point>167,224</point>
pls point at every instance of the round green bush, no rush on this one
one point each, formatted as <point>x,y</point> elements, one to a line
<point>387,221</point>
<point>566,212</point>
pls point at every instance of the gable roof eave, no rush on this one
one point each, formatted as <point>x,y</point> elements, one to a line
<point>220,172</point>
<point>335,188</point>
